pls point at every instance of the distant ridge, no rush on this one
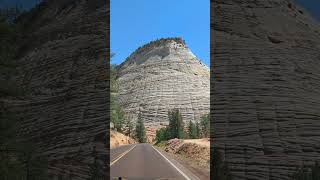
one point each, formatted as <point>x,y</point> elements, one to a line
<point>154,43</point>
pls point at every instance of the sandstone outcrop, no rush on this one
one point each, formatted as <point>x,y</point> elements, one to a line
<point>64,64</point>
<point>118,139</point>
<point>161,76</point>
<point>265,87</point>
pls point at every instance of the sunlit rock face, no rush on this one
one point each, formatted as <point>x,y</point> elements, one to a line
<point>63,63</point>
<point>265,93</point>
<point>161,76</point>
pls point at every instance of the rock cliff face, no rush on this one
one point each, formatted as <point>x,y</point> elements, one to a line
<point>63,63</point>
<point>265,93</point>
<point>160,76</point>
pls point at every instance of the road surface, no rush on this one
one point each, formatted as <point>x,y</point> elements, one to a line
<point>144,162</point>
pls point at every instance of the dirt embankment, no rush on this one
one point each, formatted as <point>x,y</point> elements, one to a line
<point>196,149</point>
<point>192,153</point>
<point>201,142</point>
<point>118,139</point>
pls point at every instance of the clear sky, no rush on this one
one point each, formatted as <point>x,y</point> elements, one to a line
<point>137,22</point>
<point>26,4</point>
<point>313,6</point>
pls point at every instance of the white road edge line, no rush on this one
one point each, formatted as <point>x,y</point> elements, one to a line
<point>184,175</point>
<point>121,155</point>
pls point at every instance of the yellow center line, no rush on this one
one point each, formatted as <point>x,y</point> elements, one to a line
<point>119,157</point>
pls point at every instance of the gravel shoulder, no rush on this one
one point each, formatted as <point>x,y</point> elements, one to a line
<point>195,157</point>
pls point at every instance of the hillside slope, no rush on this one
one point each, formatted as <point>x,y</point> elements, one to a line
<point>160,76</point>
<point>194,154</point>
<point>266,117</point>
<point>62,61</point>
<point>118,139</point>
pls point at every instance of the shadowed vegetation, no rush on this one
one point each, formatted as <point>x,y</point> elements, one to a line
<point>18,159</point>
<point>308,173</point>
<point>219,167</point>
<point>140,130</point>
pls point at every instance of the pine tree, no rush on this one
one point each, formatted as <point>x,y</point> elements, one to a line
<point>162,135</point>
<point>192,130</point>
<point>172,125</point>
<point>198,130</point>
<point>176,125</point>
<point>117,113</point>
<point>180,125</point>
<point>140,130</point>
<point>205,125</point>
<point>128,126</point>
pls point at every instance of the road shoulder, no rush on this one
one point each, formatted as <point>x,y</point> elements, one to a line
<point>177,163</point>
<point>188,164</point>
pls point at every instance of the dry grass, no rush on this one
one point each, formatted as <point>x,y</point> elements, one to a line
<point>118,139</point>
<point>194,154</point>
<point>202,142</point>
<point>197,150</point>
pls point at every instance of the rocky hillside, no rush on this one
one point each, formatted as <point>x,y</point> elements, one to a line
<point>193,154</point>
<point>118,139</point>
<point>197,150</point>
<point>62,61</point>
<point>266,112</point>
<point>160,76</point>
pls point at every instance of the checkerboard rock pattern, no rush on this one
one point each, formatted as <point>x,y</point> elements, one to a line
<point>160,76</point>
<point>265,87</point>
<point>64,65</point>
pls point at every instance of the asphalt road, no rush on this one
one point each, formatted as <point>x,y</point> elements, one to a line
<point>116,152</point>
<point>143,162</point>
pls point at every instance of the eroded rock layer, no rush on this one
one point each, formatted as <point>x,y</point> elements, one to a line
<point>266,84</point>
<point>161,76</point>
<point>63,63</point>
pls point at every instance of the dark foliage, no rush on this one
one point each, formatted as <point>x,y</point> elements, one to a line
<point>117,113</point>
<point>219,167</point>
<point>308,173</point>
<point>18,160</point>
<point>176,125</point>
<point>140,130</point>
<point>192,131</point>
<point>205,125</point>
<point>162,134</point>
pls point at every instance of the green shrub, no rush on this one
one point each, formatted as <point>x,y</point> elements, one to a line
<point>205,125</point>
<point>162,135</point>
<point>308,173</point>
<point>140,130</point>
<point>192,130</point>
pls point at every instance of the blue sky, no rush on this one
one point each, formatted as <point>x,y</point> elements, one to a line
<point>313,6</point>
<point>26,4</point>
<point>137,22</point>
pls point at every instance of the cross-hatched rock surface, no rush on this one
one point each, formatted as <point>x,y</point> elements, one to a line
<point>63,63</point>
<point>161,76</point>
<point>266,84</point>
